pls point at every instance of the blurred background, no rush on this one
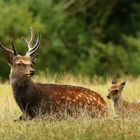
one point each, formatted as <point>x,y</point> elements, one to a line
<point>87,37</point>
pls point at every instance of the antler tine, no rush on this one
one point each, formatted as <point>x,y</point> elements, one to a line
<point>6,49</point>
<point>29,43</point>
<point>32,50</point>
<point>13,47</point>
<point>36,46</point>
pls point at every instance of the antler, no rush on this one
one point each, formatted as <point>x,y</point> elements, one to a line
<point>32,50</point>
<point>9,54</point>
<point>13,47</point>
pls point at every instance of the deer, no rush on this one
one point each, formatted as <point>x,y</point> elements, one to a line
<point>121,106</point>
<point>35,98</point>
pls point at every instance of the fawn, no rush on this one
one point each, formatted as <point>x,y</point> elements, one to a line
<point>38,98</point>
<point>121,106</point>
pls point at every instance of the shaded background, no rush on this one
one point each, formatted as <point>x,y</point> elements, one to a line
<point>88,37</point>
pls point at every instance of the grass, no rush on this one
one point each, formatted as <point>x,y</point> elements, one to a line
<point>82,128</point>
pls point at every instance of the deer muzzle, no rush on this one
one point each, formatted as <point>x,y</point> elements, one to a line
<point>31,72</point>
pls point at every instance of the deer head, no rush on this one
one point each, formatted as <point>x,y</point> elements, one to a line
<point>22,66</point>
<point>115,90</point>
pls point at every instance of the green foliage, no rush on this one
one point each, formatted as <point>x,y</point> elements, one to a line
<point>88,37</point>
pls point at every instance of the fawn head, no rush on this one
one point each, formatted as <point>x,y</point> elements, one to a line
<point>115,90</point>
<point>22,65</point>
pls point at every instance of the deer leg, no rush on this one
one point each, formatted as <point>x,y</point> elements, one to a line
<point>23,117</point>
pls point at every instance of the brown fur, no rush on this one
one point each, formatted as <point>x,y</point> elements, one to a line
<point>122,106</point>
<point>36,98</point>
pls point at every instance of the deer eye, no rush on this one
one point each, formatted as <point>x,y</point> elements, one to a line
<point>19,64</point>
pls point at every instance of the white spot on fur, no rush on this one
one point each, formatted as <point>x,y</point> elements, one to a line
<point>76,98</point>
<point>91,99</point>
<point>79,95</point>
<point>73,100</point>
<point>62,97</point>
<point>87,97</point>
<point>68,98</point>
<point>99,103</point>
<point>94,98</point>
<point>88,101</point>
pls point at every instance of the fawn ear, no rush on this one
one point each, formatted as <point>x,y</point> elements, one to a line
<point>9,54</point>
<point>114,80</point>
<point>123,83</point>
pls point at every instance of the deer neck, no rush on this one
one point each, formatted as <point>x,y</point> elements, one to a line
<point>118,103</point>
<point>20,83</point>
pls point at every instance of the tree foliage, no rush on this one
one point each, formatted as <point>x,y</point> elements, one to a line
<point>88,37</point>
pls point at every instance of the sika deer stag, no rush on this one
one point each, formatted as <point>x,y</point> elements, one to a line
<point>121,106</point>
<point>37,98</point>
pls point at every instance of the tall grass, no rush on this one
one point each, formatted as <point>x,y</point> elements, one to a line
<point>82,128</point>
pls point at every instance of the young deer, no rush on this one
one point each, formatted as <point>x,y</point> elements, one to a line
<point>121,106</point>
<point>35,98</point>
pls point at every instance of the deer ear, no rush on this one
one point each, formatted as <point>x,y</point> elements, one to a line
<point>114,81</point>
<point>123,83</point>
<point>34,59</point>
<point>9,54</point>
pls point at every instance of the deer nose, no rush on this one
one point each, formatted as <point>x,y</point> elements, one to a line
<point>32,71</point>
<point>108,96</point>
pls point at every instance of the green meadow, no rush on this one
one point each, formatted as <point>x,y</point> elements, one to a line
<point>82,128</point>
